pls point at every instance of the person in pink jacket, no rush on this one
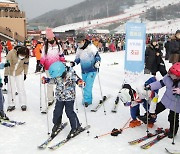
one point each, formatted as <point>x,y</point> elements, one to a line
<point>51,52</point>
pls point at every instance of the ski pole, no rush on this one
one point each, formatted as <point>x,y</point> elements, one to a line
<point>46,102</point>
<point>10,85</point>
<point>118,130</point>
<point>174,120</point>
<point>85,113</point>
<point>40,93</point>
<point>147,113</point>
<point>101,91</point>
<point>76,105</point>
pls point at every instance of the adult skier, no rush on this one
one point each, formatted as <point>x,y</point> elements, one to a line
<point>51,53</point>
<point>87,55</point>
<point>15,75</point>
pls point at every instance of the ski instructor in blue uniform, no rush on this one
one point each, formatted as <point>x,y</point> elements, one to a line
<point>87,55</point>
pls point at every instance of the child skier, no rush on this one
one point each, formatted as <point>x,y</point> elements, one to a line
<point>134,98</point>
<point>65,79</point>
<point>170,98</point>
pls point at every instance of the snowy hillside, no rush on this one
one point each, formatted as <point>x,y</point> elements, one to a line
<point>168,26</point>
<point>131,14</point>
<point>25,139</point>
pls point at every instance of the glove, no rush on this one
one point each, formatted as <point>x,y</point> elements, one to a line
<point>45,80</point>
<point>1,85</point>
<point>7,64</point>
<point>72,64</point>
<point>24,77</point>
<point>176,91</point>
<point>127,104</point>
<point>81,83</point>
<point>116,132</point>
<point>147,87</point>
<point>97,64</point>
<point>6,79</point>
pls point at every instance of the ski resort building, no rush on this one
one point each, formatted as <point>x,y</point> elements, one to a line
<point>12,21</point>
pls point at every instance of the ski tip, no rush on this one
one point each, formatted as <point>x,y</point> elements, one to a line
<point>41,147</point>
<point>44,112</point>
<point>51,148</point>
<point>93,110</point>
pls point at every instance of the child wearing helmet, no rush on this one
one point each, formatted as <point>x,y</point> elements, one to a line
<point>170,99</point>
<point>65,79</point>
<point>134,97</point>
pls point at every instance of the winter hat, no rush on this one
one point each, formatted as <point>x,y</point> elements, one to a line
<point>49,33</point>
<point>124,95</point>
<point>80,37</point>
<point>175,70</point>
<point>57,69</point>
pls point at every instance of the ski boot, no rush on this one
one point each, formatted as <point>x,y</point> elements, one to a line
<point>3,116</point>
<point>86,104</point>
<point>55,129</point>
<point>151,118</point>
<point>134,123</point>
<point>50,103</point>
<point>75,132</point>
<point>24,108</point>
<point>170,132</point>
<point>4,91</point>
<point>10,108</point>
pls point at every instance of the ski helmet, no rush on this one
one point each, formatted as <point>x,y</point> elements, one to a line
<point>56,69</point>
<point>124,95</point>
<point>174,71</point>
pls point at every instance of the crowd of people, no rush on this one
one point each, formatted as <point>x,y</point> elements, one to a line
<point>50,56</point>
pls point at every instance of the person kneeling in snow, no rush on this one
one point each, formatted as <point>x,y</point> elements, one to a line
<point>171,97</point>
<point>134,98</point>
<point>65,79</point>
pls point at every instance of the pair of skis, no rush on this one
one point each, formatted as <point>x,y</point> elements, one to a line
<point>101,102</point>
<point>45,144</point>
<point>10,123</point>
<point>159,133</point>
<point>59,144</point>
<point>114,110</point>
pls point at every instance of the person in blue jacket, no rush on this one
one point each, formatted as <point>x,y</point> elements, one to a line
<point>88,57</point>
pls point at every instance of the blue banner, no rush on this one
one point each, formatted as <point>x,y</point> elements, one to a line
<point>135,47</point>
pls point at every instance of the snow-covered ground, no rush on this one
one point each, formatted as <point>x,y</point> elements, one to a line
<point>25,139</point>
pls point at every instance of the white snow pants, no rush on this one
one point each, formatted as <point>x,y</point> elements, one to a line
<point>50,88</point>
<point>16,83</point>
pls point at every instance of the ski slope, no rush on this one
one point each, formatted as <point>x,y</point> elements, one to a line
<point>131,14</point>
<point>25,139</point>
